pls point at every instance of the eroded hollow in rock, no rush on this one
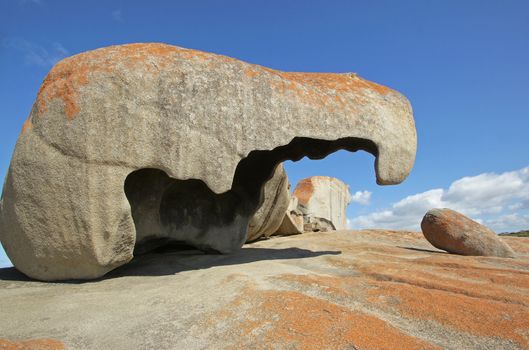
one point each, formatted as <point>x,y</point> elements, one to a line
<point>168,210</point>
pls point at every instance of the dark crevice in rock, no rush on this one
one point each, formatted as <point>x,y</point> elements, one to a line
<point>168,210</point>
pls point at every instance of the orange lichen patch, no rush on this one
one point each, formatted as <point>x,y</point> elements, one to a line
<point>462,293</point>
<point>37,344</point>
<point>251,72</point>
<point>505,277</point>
<point>477,316</point>
<point>304,190</point>
<point>499,277</point>
<point>337,82</point>
<point>286,319</point>
<point>445,281</point>
<point>68,76</point>
<point>462,275</point>
<point>327,89</point>
<point>453,274</point>
<point>27,125</point>
<point>341,83</point>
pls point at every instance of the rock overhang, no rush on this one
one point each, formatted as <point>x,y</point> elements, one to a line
<point>103,114</point>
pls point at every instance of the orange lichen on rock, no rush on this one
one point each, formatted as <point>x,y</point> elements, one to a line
<point>464,294</point>
<point>339,82</point>
<point>291,319</point>
<point>451,284</point>
<point>37,344</point>
<point>477,316</point>
<point>27,125</point>
<point>304,191</point>
<point>287,319</point>
<point>68,76</point>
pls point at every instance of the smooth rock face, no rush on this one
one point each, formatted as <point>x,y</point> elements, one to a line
<point>451,231</point>
<point>269,216</point>
<point>324,197</point>
<point>292,223</point>
<point>371,289</point>
<point>125,139</point>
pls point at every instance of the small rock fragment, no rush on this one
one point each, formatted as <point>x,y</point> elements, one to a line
<point>292,223</point>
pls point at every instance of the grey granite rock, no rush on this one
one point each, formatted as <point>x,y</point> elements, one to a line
<point>128,141</point>
<point>269,216</point>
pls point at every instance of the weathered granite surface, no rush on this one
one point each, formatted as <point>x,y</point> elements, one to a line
<point>292,223</point>
<point>324,197</point>
<point>133,144</point>
<point>337,290</point>
<point>269,216</point>
<point>454,232</point>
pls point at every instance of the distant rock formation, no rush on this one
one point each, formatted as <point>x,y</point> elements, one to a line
<point>323,201</point>
<point>451,231</point>
<point>140,143</point>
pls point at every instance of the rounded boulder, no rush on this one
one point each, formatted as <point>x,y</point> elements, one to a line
<point>449,230</point>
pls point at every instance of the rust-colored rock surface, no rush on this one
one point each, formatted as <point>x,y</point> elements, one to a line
<point>324,197</point>
<point>451,231</point>
<point>367,289</point>
<point>36,344</point>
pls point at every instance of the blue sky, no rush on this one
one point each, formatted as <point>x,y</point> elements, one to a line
<point>463,65</point>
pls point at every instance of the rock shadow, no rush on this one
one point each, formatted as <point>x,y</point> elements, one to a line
<point>424,250</point>
<point>171,260</point>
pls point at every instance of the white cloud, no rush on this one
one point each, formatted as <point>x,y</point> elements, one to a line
<point>490,198</point>
<point>117,16</point>
<point>361,197</point>
<point>508,221</point>
<point>35,54</point>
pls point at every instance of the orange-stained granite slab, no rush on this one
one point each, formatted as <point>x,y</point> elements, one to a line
<point>370,289</point>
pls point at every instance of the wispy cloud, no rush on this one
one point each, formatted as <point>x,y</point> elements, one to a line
<point>35,54</point>
<point>497,200</point>
<point>361,197</point>
<point>117,16</point>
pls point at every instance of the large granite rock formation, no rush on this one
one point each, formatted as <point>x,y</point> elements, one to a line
<point>451,231</point>
<point>323,197</point>
<point>126,142</point>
